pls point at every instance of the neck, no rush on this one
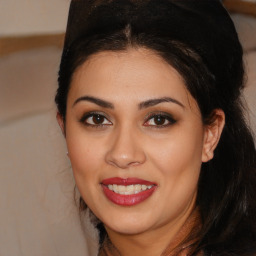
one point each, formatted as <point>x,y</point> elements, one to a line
<point>161,241</point>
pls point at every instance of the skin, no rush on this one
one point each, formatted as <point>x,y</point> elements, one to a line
<point>131,144</point>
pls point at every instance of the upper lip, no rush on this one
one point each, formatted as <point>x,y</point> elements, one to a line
<point>126,181</point>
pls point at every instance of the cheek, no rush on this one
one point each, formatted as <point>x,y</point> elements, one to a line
<point>84,153</point>
<point>85,157</point>
<point>179,160</point>
<point>180,152</point>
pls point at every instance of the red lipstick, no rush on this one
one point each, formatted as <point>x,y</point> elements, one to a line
<point>131,199</point>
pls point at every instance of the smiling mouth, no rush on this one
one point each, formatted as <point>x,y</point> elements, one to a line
<point>127,192</point>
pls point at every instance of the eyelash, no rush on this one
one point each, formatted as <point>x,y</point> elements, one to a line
<point>91,115</point>
<point>165,117</point>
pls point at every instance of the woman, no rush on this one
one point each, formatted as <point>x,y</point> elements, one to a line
<point>149,103</point>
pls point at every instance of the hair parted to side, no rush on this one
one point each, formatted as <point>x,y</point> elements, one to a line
<point>197,38</point>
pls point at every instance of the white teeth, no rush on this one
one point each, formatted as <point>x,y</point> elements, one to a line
<point>128,190</point>
<point>115,188</point>
<point>137,188</point>
<point>144,187</point>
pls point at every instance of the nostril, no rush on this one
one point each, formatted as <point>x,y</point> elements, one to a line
<point>125,149</point>
<point>125,161</point>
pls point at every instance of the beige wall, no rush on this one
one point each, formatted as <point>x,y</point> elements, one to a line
<point>22,17</point>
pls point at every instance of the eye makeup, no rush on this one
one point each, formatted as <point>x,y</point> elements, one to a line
<point>159,120</point>
<point>95,119</point>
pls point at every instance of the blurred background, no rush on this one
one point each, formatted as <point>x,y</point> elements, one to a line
<point>38,214</point>
<point>25,17</point>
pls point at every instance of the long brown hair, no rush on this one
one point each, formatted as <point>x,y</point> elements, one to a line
<point>199,40</point>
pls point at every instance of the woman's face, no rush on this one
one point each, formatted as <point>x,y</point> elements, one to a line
<point>135,139</point>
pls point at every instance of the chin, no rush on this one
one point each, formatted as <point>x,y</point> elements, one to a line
<point>128,225</point>
<point>128,229</point>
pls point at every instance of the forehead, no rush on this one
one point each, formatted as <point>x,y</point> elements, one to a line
<point>136,74</point>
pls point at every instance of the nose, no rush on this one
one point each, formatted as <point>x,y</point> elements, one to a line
<point>126,149</point>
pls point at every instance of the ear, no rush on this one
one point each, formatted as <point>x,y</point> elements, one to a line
<point>60,121</point>
<point>212,134</point>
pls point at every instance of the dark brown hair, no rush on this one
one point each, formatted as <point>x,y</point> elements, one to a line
<point>197,38</point>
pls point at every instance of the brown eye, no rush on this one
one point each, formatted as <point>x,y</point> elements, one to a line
<point>95,120</point>
<point>98,119</point>
<point>160,120</point>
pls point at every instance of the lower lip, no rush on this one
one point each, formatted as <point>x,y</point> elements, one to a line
<point>127,200</point>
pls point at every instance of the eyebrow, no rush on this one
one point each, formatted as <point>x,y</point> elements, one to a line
<point>142,105</point>
<point>153,102</point>
<point>97,101</point>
